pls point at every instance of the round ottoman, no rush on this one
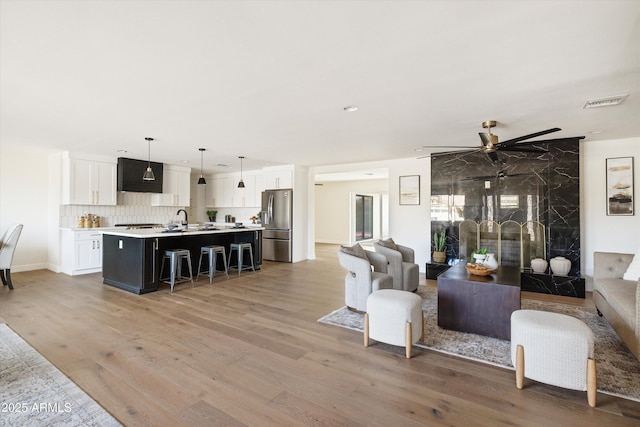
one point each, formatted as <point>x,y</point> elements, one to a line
<point>554,349</point>
<point>394,317</point>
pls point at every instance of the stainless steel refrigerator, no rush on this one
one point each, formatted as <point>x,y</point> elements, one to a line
<point>277,215</point>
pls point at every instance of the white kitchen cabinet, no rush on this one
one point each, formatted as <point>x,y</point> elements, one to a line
<point>88,182</point>
<point>176,187</point>
<point>223,191</point>
<point>245,197</point>
<point>81,251</point>
<point>274,179</point>
<point>219,193</point>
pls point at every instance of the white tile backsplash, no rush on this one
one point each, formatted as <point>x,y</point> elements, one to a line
<point>132,208</point>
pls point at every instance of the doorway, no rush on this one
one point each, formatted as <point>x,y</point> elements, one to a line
<point>363,217</point>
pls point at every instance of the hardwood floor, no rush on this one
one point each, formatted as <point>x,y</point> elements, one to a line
<point>249,351</point>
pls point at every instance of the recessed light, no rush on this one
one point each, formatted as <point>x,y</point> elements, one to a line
<point>351,108</point>
<point>605,102</point>
<point>595,132</point>
<point>222,165</point>
<point>184,161</point>
<point>418,149</point>
<point>121,151</point>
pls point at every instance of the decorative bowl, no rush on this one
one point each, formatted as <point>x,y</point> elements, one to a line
<point>479,269</point>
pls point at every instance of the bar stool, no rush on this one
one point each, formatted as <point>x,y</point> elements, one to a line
<point>175,257</point>
<point>240,248</point>
<point>212,252</point>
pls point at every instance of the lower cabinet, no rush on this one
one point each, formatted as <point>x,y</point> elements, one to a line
<point>81,251</point>
<point>131,263</point>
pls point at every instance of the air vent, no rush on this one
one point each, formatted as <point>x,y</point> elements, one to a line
<point>605,102</point>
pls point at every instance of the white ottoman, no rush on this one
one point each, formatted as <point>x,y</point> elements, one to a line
<point>554,349</point>
<point>394,317</point>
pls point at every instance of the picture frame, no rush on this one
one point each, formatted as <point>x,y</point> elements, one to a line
<point>620,200</point>
<point>410,190</point>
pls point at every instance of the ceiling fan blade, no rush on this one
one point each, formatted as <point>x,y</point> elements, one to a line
<point>449,146</point>
<point>447,153</point>
<point>545,141</point>
<point>514,141</point>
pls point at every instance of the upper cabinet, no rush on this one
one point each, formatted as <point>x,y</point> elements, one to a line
<point>278,178</point>
<point>218,192</point>
<point>88,182</point>
<point>222,191</point>
<point>245,197</point>
<point>176,187</point>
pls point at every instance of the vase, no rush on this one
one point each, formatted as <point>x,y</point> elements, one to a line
<point>539,265</point>
<point>490,262</point>
<point>439,257</point>
<point>560,266</point>
<point>479,257</point>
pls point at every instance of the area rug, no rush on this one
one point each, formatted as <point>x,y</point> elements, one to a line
<point>34,392</point>
<point>618,369</point>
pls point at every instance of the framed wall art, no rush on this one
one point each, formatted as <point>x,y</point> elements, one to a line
<point>620,186</point>
<point>410,190</point>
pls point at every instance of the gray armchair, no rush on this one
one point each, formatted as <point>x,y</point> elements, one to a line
<point>401,265</point>
<point>7,248</point>
<point>366,274</point>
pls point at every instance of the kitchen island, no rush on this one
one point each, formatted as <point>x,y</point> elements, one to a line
<point>131,259</point>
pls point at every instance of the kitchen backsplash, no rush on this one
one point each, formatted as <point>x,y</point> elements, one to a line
<point>132,208</point>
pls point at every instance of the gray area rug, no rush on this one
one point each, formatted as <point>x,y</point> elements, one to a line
<point>34,392</point>
<point>618,369</point>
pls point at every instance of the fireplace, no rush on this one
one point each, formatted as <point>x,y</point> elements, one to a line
<point>522,206</point>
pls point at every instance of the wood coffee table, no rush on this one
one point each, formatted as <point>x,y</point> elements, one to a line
<point>478,304</point>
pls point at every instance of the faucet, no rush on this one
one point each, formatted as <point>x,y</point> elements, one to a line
<point>186,220</point>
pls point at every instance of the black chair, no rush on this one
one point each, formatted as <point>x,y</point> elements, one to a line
<point>7,248</point>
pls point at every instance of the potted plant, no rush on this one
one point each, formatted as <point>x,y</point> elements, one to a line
<point>212,215</point>
<point>440,246</point>
<point>479,254</point>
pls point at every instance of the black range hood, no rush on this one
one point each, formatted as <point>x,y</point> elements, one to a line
<point>130,172</point>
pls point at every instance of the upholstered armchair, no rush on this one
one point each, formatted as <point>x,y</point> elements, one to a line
<point>401,265</point>
<point>366,273</point>
<point>7,248</point>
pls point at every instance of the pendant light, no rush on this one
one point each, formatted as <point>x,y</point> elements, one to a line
<point>201,180</point>
<point>148,174</point>
<point>241,183</point>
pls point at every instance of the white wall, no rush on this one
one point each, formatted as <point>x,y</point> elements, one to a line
<point>333,207</point>
<point>24,199</point>
<point>410,225</point>
<point>600,232</point>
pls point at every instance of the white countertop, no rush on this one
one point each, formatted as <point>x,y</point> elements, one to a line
<point>145,233</point>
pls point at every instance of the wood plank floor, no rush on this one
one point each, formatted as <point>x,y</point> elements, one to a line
<point>249,351</point>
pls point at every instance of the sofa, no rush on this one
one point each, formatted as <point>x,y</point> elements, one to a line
<point>617,299</point>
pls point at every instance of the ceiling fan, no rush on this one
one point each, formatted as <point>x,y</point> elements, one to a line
<point>489,143</point>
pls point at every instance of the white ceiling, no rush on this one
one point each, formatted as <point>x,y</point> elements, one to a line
<point>268,80</point>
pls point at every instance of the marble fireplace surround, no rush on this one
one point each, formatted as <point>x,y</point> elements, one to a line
<point>519,188</point>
